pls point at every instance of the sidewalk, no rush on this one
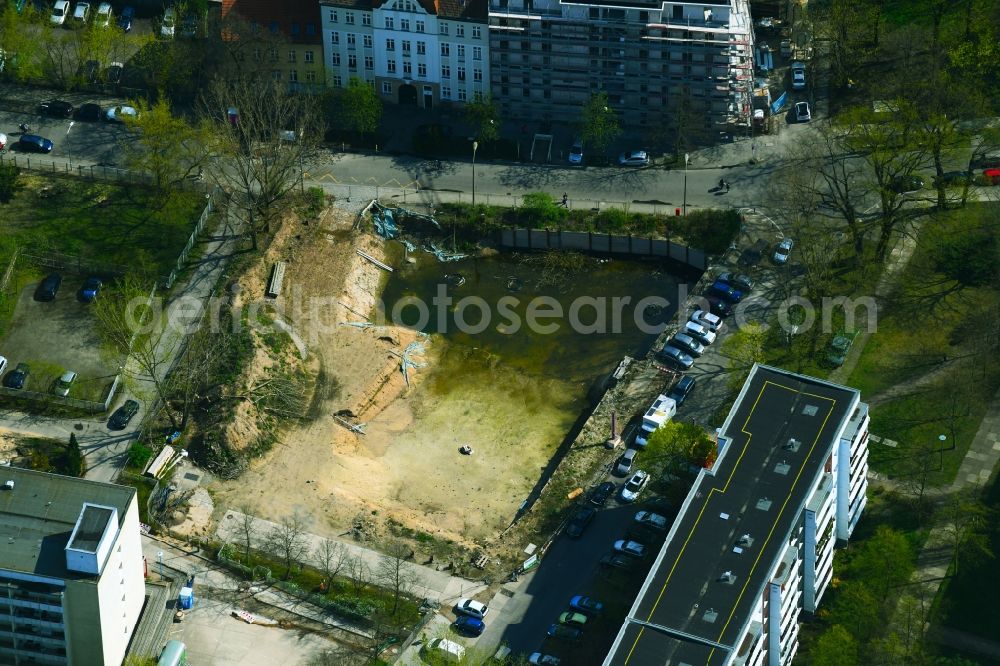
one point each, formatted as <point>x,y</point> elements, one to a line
<point>428,583</point>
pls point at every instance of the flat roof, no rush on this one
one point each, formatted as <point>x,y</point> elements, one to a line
<point>37,518</point>
<point>780,433</point>
<point>93,522</point>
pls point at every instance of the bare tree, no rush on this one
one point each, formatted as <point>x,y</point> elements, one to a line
<point>288,541</point>
<point>394,574</point>
<point>263,134</point>
<point>968,520</point>
<point>131,326</point>
<point>248,528</point>
<point>331,558</point>
<point>359,573</point>
<point>281,393</point>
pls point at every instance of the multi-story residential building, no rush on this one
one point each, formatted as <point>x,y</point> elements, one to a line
<point>283,38</point>
<point>681,64</point>
<point>416,52</point>
<point>71,569</point>
<point>752,547</point>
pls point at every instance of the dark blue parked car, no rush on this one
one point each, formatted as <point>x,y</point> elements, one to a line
<point>470,626</point>
<point>88,292</point>
<point>32,143</point>
<point>125,18</point>
<point>723,290</point>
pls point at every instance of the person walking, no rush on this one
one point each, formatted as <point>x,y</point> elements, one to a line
<point>565,200</point>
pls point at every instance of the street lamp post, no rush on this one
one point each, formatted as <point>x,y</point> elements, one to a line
<point>68,149</point>
<point>475,147</point>
<point>687,157</point>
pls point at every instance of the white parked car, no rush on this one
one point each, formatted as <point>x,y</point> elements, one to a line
<point>472,608</point>
<point>103,16</point>
<point>633,548</point>
<point>65,382</point>
<point>798,76</point>
<point>802,114</point>
<point>59,11</point>
<point>707,319</point>
<point>634,486</point>
<point>81,13</point>
<point>3,365</point>
<point>699,332</point>
<point>169,24</point>
<point>783,250</point>
<point>118,114</point>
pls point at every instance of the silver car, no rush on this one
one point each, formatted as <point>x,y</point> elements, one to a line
<point>635,158</point>
<point>675,356</point>
<point>783,250</point>
<point>625,463</point>
<point>688,344</point>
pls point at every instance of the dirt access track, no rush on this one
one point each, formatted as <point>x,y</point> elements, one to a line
<point>407,467</point>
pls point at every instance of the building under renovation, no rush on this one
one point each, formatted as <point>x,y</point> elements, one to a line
<point>664,65</point>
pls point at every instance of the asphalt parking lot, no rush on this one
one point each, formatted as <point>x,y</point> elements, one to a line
<point>55,336</point>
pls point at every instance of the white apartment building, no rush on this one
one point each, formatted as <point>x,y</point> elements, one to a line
<point>71,569</point>
<point>752,547</point>
<point>421,53</point>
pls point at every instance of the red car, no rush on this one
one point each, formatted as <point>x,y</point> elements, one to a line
<point>992,176</point>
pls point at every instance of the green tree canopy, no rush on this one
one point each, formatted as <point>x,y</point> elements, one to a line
<point>484,116</point>
<point>679,445</point>
<point>835,647</point>
<point>356,108</point>
<point>599,123</point>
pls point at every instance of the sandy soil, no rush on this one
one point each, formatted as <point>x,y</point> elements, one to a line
<point>407,466</point>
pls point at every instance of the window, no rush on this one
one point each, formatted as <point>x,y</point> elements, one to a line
<point>477,75</point>
<point>349,18</point>
<point>352,40</point>
<point>366,18</point>
<point>477,52</point>
<point>445,49</point>
<point>421,70</point>
<point>310,29</point>
<point>308,56</point>
<point>461,73</point>
<point>390,66</point>
<point>352,61</point>
<point>461,95</point>
<point>389,23</point>
<point>256,52</point>
<point>445,71</point>
<point>404,24</point>
<point>276,74</point>
<point>407,68</point>
<point>445,92</point>
<point>334,37</point>
<point>332,16</point>
<point>273,55</point>
<point>368,41</point>
<point>295,28</point>
<point>460,48</point>
<point>338,81</point>
<point>390,45</point>
<point>335,59</point>
<point>460,32</point>
<point>273,27</point>
<point>310,76</point>
<point>477,32</point>
<point>386,88</point>
<point>421,48</point>
<point>293,75</point>
<point>420,26</point>
<point>291,56</point>
<point>406,47</point>
<point>369,62</point>
<point>443,28</point>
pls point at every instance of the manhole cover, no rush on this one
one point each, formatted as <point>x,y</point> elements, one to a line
<point>192,477</point>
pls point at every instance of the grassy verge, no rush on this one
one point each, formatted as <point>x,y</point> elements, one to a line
<point>49,455</point>
<point>100,223</point>
<point>709,230</point>
<point>143,487</point>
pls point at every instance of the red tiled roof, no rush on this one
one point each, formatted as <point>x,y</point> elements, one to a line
<point>298,20</point>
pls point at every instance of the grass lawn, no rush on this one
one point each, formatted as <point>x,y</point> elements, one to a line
<point>936,314</point>
<point>99,223</point>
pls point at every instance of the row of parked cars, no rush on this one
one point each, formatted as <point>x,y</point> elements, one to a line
<point>60,108</point>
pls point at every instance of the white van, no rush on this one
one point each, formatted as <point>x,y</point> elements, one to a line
<point>169,23</point>
<point>662,410</point>
<point>448,650</point>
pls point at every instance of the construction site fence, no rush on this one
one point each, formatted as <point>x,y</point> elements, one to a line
<point>414,196</point>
